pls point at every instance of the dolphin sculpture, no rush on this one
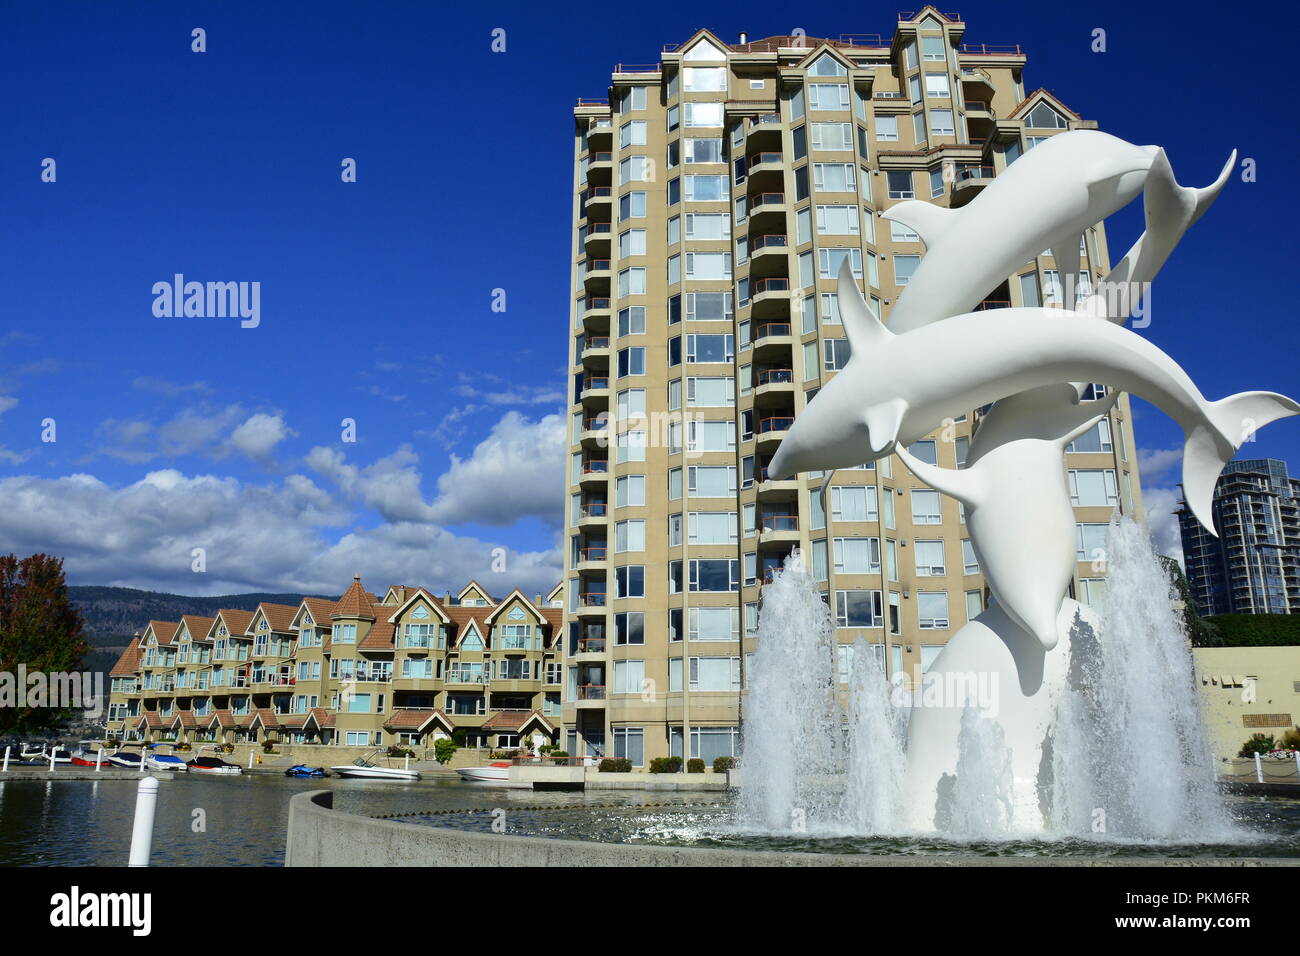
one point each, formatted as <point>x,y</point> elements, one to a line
<point>1045,199</point>
<point>898,388</point>
<point>1017,502</point>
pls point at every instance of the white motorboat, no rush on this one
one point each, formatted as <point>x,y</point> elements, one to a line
<point>365,768</point>
<point>164,762</point>
<point>496,772</point>
<point>126,759</point>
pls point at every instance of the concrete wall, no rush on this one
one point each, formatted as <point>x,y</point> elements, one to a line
<point>1240,686</point>
<point>321,836</point>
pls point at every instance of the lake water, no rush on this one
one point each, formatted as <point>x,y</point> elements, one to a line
<point>88,823</point>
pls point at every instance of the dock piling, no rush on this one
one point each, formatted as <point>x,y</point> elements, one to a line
<point>146,803</point>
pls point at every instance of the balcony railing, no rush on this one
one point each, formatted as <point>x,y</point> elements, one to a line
<point>765,119</point>
<point>976,106</point>
<point>595,466</point>
<point>974,172</point>
<point>776,423</point>
<point>598,229</point>
<point>766,199</point>
<point>770,156</point>
<point>596,552</point>
<point>595,342</point>
<point>779,522</point>
<point>776,376</point>
<point>604,156</point>
<point>591,692</point>
<point>772,328</point>
<point>597,509</point>
<point>993,304</point>
<point>597,265</point>
<point>988,49</point>
<point>591,645</point>
<point>771,241</point>
<point>592,303</point>
<point>592,382</point>
<point>592,599</point>
<point>595,423</point>
<point>776,284</point>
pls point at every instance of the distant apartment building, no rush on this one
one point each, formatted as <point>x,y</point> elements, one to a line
<point>1253,566</point>
<point>403,669</point>
<point>715,195</point>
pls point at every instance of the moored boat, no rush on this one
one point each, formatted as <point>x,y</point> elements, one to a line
<point>495,772</point>
<point>126,759</point>
<point>214,766</point>
<point>302,770</point>
<point>164,762</point>
<point>367,769</point>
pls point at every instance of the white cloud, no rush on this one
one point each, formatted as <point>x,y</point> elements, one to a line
<point>1161,503</point>
<point>1156,463</point>
<point>7,402</point>
<point>258,436</point>
<point>516,472</point>
<point>277,537</point>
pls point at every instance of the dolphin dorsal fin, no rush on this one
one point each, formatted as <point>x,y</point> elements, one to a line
<point>966,485</point>
<point>862,326</point>
<point>883,422</point>
<point>927,220</point>
<point>1206,195</point>
<point>1066,254</point>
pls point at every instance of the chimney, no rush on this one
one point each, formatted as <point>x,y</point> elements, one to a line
<point>744,38</point>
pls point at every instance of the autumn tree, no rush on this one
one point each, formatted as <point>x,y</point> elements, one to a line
<point>39,628</point>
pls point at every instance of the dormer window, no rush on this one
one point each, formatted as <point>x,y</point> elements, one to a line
<point>1043,116</point>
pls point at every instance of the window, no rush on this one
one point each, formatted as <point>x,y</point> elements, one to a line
<point>1090,542</point>
<point>901,233</point>
<point>929,559</point>
<point>1096,439</point>
<point>857,555</point>
<point>710,392</point>
<point>904,268</point>
<point>835,354</point>
<point>703,150</point>
<point>629,536</point>
<point>969,563</point>
<point>702,114</point>
<point>631,282</point>
<point>838,220</point>
<point>925,506</point>
<point>630,404</point>
<point>714,623</point>
<point>629,742</point>
<point>829,261</point>
<point>714,574</point>
<point>712,527</point>
<point>704,79</point>
<point>932,609</point>
<point>974,604</point>
<point>632,134</point>
<point>634,169</point>
<point>858,609</point>
<point>828,96</point>
<point>710,225</point>
<point>1043,116</point>
<point>708,306</point>
<point>900,184</point>
<point>941,123</point>
<point>708,265</point>
<point>936,183</point>
<point>631,243</point>
<point>853,503</point>
<point>629,677</point>
<point>834,177</point>
<point>832,137</point>
<point>631,206</point>
<point>1092,593</point>
<point>887,129</point>
<point>711,481</point>
<point>932,49</point>
<point>631,446</point>
<point>827,65</point>
<point>633,99</point>
<point>715,673</point>
<point>629,491</point>
<point>631,361</point>
<point>631,321</point>
<point>1029,296</point>
<point>710,436</point>
<point>629,627</point>
<point>1093,488</point>
<point>707,188</point>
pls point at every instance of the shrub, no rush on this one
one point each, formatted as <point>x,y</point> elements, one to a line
<point>615,765</point>
<point>666,765</point>
<point>443,748</point>
<point>695,765</point>
<point>559,753</point>
<point>268,746</point>
<point>1257,744</point>
<point>396,751</point>
<point>723,764</point>
<point>1290,740</point>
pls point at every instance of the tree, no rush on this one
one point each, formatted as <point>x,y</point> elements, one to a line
<point>443,748</point>
<point>1200,631</point>
<point>39,628</point>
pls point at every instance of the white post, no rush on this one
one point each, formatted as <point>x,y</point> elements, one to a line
<point>1259,769</point>
<point>1297,763</point>
<point>143,754</point>
<point>6,767</point>
<point>250,758</point>
<point>408,762</point>
<point>146,802</point>
<point>52,753</point>
<point>99,759</point>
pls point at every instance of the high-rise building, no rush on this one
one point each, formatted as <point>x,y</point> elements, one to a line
<point>716,194</point>
<point>1253,567</point>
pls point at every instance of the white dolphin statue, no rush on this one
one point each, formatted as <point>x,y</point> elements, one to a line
<point>898,388</point>
<point>1045,199</point>
<point>1018,511</point>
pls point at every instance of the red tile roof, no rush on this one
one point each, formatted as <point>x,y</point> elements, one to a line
<point>320,610</point>
<point>129,662</point>
<point>417,720</point>
<point>356,602</point>
<point>321,716</point>
<point>198,626</point>
<point>279,616</point>
<point>236,621</point>
<point>164,631</point>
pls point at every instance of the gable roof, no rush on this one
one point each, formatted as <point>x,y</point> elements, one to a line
<point>380,635</point>
<point>475,586</point>
<point>509,599</point>
<point>320,610</point>
<point>194,624</point>
<point>163,631</point>
<point>1042,95</point>
<point>236,622</point>
<point>415,595</point>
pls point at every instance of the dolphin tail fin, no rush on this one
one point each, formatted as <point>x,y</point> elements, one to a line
<point>1211,444</point>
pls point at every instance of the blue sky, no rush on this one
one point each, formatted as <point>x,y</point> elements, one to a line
<point>182,433</point>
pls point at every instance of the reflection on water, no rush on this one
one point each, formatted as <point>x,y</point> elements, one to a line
<point>88,823</point>
<point>1275,821</point>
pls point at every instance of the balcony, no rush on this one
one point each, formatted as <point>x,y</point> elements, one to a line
<point>591,645</point>
<point>771,290</point>
<point>591,695</point>
<point>993,304</point>
<point>771,430</point>
<point>769,489</point>
<point>764,163</point>
<point>600,162</point>
<point>595,471</point>
<point>969,183</point>
<point>593,558</point>
<point>773,333</point>
<point>597,203</point>
<point>596,274</point>
<point>592,603</point>
<point>594,347</point>
<point>767,203</point>
<point>778,529</point>
<point>595,387</point>
<point>596,241</point>
<point>774,381</point>
<point>593,514</point>
<point>595,431</point>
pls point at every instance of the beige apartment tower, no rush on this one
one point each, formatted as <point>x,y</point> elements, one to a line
<point>716,194</point>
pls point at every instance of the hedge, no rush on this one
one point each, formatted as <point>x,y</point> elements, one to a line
<point>1256,630</point>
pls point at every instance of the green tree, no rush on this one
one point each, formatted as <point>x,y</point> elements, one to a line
<point>443,748</point>
<point>39,628</point>
<point>1200,631</point>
